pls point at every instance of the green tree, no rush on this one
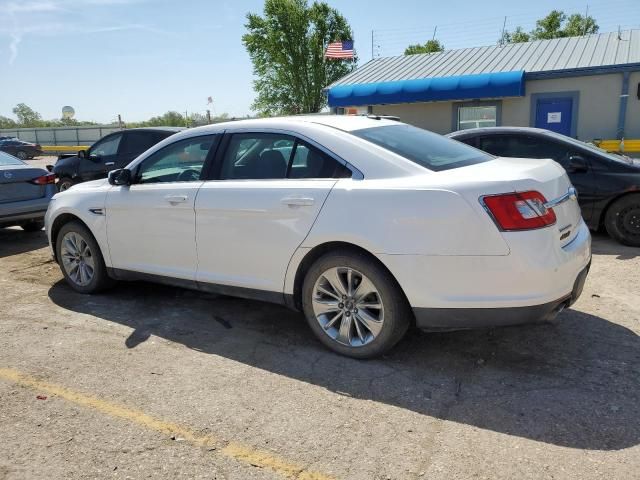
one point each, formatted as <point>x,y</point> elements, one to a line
<point>286,46</point>
<point>555,25</point>
<point>578,25</point>
<point>27,117</point>
<point>517,36</point>
<point>6,122</point>
<point>431,46</point>
<point>550,26</point>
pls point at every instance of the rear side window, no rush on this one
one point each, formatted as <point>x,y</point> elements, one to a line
<point>138,142</point>
<point>261,156</point>
<point>523,146</point>
<point>428,149</point>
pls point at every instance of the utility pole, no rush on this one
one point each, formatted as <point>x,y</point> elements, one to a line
<point>209,116</point>
<point>119,122</point>
<point>504,26</point>
<point>372,44</point>
<point>186,119</point>
<point>586,15</point>
<point>434,33</point>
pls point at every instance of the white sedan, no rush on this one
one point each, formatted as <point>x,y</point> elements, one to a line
<point>366,224</point>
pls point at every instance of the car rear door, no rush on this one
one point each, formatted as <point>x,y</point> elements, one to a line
<point>538,146</point>
<point>267,191</point>
<point>151,223</point>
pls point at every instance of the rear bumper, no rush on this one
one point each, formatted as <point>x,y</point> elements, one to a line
<point>439,319</point>
<point>16,213</point>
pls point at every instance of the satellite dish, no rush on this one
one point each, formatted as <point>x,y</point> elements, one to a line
<point>68,112</point>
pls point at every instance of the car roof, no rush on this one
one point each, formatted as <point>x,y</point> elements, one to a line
<point>347,123</point>
<point>155,129</point>
<point>470,132</point>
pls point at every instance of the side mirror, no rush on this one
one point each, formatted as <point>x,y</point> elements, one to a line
<point>122,176</point>
<point>82,154</point>
<point>577,164</point>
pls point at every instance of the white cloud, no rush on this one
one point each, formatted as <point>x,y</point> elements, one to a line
<point>59,17</point>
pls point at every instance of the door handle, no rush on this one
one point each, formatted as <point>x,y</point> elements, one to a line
<point>109,164</point>
<point>298,201</point>
<point>174,199</point>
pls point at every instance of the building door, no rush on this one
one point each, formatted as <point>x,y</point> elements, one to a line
<point>555,114</point>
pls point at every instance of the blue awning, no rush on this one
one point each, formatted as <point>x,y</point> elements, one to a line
<point>483,85</point>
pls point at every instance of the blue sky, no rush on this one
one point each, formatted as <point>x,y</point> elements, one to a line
<point>141,58</point>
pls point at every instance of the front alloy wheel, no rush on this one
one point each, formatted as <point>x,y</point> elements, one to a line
<point>77,259</point>
<point>348,306</point>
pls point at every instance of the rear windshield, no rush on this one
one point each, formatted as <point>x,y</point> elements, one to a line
<point>6,159</point>
<point>425,148</point>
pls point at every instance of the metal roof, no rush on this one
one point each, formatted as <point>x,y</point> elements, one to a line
<point>557,55</point>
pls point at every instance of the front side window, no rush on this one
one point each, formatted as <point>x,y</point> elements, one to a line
<point>427,149</point>
<point>476,117</point>
<point>107,146</point>
<point>181,161</point>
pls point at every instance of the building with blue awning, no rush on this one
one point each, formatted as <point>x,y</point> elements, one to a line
<point>585,87</point>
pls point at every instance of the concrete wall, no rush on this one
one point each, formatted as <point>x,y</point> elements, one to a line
<point>632,127</point>
<point>597,110</point>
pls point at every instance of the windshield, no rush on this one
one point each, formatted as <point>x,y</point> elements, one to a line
<point>425,148</point>
<point>6,159</point>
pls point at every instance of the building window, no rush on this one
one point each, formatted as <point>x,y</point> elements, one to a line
<point>475,117</point>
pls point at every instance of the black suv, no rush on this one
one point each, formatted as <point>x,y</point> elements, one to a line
<point>608,185</point>
<point>111,152</point>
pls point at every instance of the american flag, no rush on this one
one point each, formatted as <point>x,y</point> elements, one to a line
<point>340,49</point>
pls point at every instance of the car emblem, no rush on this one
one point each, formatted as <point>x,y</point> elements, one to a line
<point>8,175</point>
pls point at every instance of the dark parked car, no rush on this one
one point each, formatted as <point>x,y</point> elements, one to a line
<point>608,185</point>
<point>25,192</point>
<point>111,152</point>
<point>19,148</point>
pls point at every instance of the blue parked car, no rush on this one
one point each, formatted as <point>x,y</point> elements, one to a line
<point>25,192</point>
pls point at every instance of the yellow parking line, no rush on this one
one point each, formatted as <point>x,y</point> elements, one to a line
<point>233,450</point>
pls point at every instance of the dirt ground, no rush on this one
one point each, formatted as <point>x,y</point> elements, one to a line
<point>148,381</point>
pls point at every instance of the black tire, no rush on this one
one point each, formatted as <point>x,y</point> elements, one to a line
<point>397,313</point>
<point>34,226</point>
<point>622,220</point>
<point>22,155</point>
<point>100,280</point>
<point>65,183</point>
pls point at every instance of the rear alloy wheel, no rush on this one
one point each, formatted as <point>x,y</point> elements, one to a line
<point>65,183</point>
<point>622,220</point>
<point>34,226</point>
<point>354,306</point>
<point>22,155</point>
<point>80,259</point>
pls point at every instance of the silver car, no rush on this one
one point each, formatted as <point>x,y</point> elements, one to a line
<point>25,192</point>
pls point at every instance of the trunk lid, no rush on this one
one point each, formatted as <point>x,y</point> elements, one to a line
<point>505,175</point>
<point>16,186</point>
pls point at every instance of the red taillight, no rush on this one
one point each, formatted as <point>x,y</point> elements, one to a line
<point>520,211</point>
<point>45,179</point>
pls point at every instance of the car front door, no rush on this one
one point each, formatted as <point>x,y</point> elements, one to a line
<point>538,146</point>
<point>100,158</point>
<point>151,223</point>
<point>268,191</point>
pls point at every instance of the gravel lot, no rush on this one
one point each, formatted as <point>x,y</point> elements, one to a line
<point>151,381</point>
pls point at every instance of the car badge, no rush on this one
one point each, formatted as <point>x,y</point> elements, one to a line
<point>8,175</point>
